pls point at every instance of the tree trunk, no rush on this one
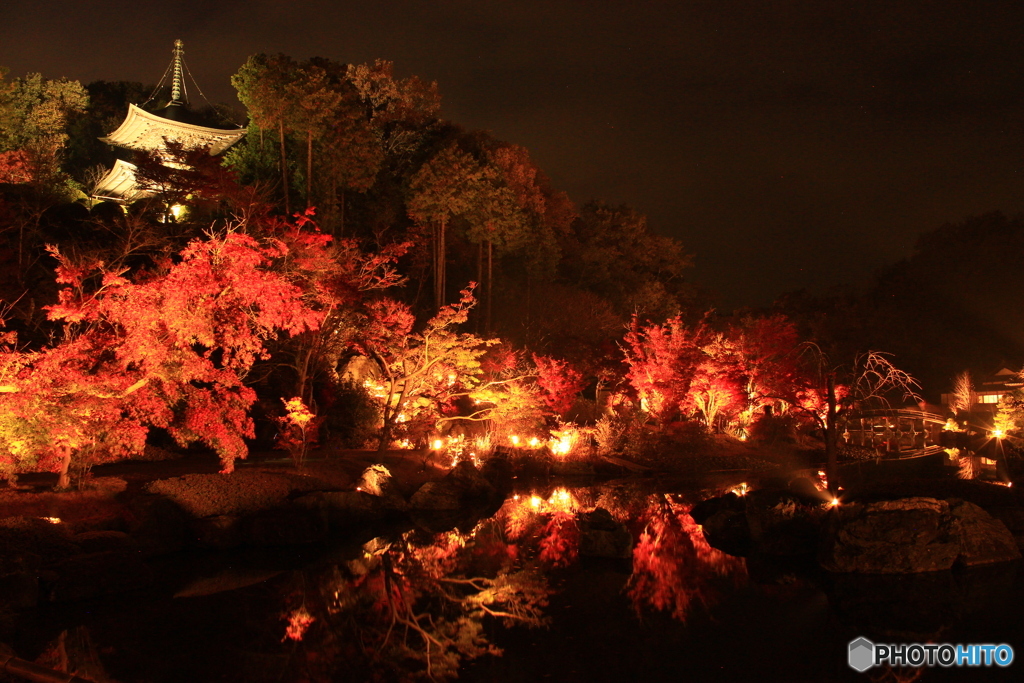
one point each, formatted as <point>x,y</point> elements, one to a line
<point>284,169</point>
<point>390,414</point>
<point>439,266</point>
<point>309,168</point>
<point>64,480</point>
<point>479,279</point>
<point>341,209</point>
<point>490,283</point>
<point>831,445</point>
<point>528,299</point>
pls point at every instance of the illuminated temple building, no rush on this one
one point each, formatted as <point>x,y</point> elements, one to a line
<point>147,131</point>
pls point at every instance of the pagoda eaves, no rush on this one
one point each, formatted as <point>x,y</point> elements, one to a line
<point>119,184</point>
<point>142,130</point>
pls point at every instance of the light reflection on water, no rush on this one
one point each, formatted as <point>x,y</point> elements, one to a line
<point>515,596</point>
<point>424,603</point>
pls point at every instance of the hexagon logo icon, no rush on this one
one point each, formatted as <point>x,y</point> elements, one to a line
<point>862,654</point>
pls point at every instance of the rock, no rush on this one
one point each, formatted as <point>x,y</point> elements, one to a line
<point>341,509</point>
<point>98,574</point>
<point>465,518</point>
<point>902,536</point>
<point>463,485</point>
<point>497,469</point>
<point>1013,518</point>
<point>34,537</point>
<point>103,541</point>
<point>728,531</point>
<point>572,468</point>
<point>377,481</point>
<point>911,606</point>
<point>982,538</point>
<point>601,535</point>
<point>706,508</point>
<point>244,492</point>
<point>805,488</point>
<point>19,590</point>
<point>287,526</point>
<point>437,495</point>
<point>469,480</point>
<point>227,580</point>
<point>218,532</point>
<point>781,523</point>
<point>159,525</point>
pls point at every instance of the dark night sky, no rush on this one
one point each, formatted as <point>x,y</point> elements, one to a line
<point>789,144</point>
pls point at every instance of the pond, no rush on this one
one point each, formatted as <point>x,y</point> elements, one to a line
<point>611,582</point>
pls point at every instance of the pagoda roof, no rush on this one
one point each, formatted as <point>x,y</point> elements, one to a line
<point>119,184</point>
<point>146,131</point>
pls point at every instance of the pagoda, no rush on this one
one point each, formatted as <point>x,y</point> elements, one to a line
<point>147,131</point>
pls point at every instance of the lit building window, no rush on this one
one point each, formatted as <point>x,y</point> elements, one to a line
<point>988,398</point>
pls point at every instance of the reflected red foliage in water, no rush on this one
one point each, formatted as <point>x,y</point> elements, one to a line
<point>673,565</point>
<point>560,540</point>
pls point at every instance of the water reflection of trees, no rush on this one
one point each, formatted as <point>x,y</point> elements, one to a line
<point>419,605</point>
<point>416,606</point>
<point>674,568</point>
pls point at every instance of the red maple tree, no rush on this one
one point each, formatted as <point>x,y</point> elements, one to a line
<point>169,347</point>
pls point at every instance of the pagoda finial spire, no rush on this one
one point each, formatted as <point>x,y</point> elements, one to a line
<point>177,80</point>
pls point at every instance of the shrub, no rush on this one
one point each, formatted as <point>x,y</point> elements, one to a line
<point>353,418</point>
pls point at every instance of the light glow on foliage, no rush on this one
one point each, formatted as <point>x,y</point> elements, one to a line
<point>375,389</point>
<point>52,520</point>
<point>741,490</point>
<point>297,412</point>
<point>299,622</point>
<point>562,500</point>
<point>563,440</point>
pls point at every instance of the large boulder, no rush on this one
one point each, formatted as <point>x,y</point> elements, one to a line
<point>35,540</point>
<point>497,469</point>
<point>572,468</point>
<point>437,495</point>
<point>1013,518</point>
<point>781,523</point>
<point>158,524</point>
<point>104,541</point>
<point>462,485</point>
<point>377,481</point>
<point>728,531</point>
<point>902,536</point>
<point>910,535</point>
<point>219,532</point>
<point>285,526</point>
<point>982,538</point>
<point>470,481</point>
<point>601,535</point>
<point>98,574</point>
<point>341,509</point>
<point>705,509</point>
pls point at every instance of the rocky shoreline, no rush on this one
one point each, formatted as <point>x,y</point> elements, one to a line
<point>933,526</point>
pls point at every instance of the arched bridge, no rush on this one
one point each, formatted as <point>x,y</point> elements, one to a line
<point>895,433</point>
